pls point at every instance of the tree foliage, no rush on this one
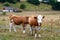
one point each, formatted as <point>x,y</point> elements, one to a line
<point>6,4</point>
<point>2,1</point>
<point>55,4</point>
<point>35,2</point>
<point>22,6</point>
<point>11,1</point>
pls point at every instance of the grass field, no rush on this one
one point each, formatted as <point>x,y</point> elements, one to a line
<point>50,27</point>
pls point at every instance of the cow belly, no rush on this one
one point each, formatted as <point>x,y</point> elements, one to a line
<point>17,22</point>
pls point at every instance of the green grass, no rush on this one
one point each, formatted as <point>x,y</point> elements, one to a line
<point>46,32</point>
<point>1,6</point>
<point>41,7</point>
<point>45,35</point>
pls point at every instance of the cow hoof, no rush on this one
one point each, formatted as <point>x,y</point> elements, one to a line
<point>24,32</point>
<point>9,31</point>
<point>35,35</point>
<point>39,35</point>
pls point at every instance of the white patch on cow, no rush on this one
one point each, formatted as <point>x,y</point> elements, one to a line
<point>39,18</point>
<point>12,20</point>
<point>14,28</point>
<point>23,31</point>
<point>29,20</point>
<point>35,35</point>
<point>10,27</point>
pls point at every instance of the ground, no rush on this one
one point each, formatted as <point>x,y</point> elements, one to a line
<point>50,29</point>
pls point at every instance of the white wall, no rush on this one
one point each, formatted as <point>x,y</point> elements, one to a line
<point>40,0</point>
<point>58,0</point>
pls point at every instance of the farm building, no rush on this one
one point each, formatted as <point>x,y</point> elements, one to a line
<point>10,9</point>
<point>58,0</point>
<point>44,0</point>
<point>7,9</point>
<point>48,0</point>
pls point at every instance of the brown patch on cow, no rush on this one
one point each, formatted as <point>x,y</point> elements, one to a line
<point>19,19</point>
<point>33,21</point>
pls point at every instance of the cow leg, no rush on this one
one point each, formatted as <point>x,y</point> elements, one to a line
<point>39,33</point>
<point>39,29</point>
<point>14,28</point>
<point>24,28</point>
<point>31,30</point>
<point>35,33</point>
<point>10,25</point>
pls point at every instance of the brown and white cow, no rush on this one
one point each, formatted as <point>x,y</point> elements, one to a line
<point>17,20</point>
<point>35,23</point>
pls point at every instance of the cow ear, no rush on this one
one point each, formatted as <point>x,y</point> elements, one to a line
<point>43,17</point>
<point>35,17</point>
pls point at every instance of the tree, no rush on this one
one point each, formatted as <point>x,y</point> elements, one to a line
<point>18,0</point>
<point>6,4</point>
<point>2,1</point>
<point>12,1</point>
<point>22,6</point>
<point>52,2</point>
<point>55,4</point>
<point>35,2</point>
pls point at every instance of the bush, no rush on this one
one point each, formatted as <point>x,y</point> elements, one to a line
<point>6,4</point>
<point>22,6</point>
<point>55,4</point>
<point>35,2</point>
<point>2,1</point>
<point>3,19</point>
<point>14,1</point>
<point>4,13</point>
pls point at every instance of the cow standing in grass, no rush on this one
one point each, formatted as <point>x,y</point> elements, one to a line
<point>35,23</point>
<point>17,20</point>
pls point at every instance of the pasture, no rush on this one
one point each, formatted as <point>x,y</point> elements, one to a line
<point>50,29</point>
